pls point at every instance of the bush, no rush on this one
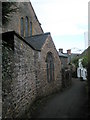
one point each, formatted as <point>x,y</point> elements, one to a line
<point>85,61</point>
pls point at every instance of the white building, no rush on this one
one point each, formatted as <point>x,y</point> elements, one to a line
<point>81,71</point>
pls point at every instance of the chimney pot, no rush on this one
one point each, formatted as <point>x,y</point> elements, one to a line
<point>61,50</point>
<point>69,51</point>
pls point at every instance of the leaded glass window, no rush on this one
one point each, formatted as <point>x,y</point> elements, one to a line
<point>26,26</point>
<point>30,28</point>
<point>22,26</point>
<point>50,67</point>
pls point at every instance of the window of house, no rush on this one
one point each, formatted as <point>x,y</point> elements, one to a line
<point>26,26</point>
<point>22,26</point>
<point>30,28</point>
<point>50,67</point>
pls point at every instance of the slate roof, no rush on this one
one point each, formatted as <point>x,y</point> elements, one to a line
<point>73,55</point>
<point>62,55</point>
<point>37,41</point>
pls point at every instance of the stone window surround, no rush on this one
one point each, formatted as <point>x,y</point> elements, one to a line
<point>26,26</point>
<point>50,67</point>
<point>30,26</point>
<point>21,26</point>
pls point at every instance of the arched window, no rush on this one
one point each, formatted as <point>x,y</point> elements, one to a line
<point>30,28</point>
<point>26,26</point>
<point>22,26</point>
<point>50,67</point>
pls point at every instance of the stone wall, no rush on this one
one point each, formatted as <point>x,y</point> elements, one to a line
<point>7,70</point>
<point>19,88</point>
<point>43,86</point>
<point>25,75</point>
<point>24,69</point>
<point>66,77</point>
<point>64,61</point>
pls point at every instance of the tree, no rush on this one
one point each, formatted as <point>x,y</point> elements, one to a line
<point>85,61</point>
<point>7,9</point>
<point>75,61</point>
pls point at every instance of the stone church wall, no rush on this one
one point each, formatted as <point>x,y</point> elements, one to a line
<point>7,77</point>
<point>19,90</point>
<point>25,77</point>
<point>43,86</point>
<point>24,9</point>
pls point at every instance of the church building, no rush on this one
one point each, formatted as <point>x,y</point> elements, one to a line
<point>34,66</point>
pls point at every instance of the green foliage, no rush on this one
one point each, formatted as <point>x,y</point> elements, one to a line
<point>7,9</point>
<point>75,61</point>
<point>85,61</point>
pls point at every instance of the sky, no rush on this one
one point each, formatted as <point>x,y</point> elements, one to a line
<point>66,20</point>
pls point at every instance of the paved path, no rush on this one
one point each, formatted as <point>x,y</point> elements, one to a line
<point>0,108</point>
<point>71,103</point>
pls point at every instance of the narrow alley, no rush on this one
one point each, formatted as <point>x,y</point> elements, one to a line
<point>71,103</point>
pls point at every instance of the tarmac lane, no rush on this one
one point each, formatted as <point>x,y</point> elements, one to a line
<point>71,103</point>
<point>0,109</point>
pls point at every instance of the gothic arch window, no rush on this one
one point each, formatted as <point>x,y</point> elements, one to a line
<point>30,28</point>
<point>22,26</point>
<point>26,26</point>
<point>50,67</point>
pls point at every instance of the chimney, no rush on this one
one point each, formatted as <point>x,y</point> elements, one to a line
<point>61,50</point>
<point>69,51</point>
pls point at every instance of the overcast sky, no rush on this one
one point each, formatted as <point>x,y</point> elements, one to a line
<point>66,20</point>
